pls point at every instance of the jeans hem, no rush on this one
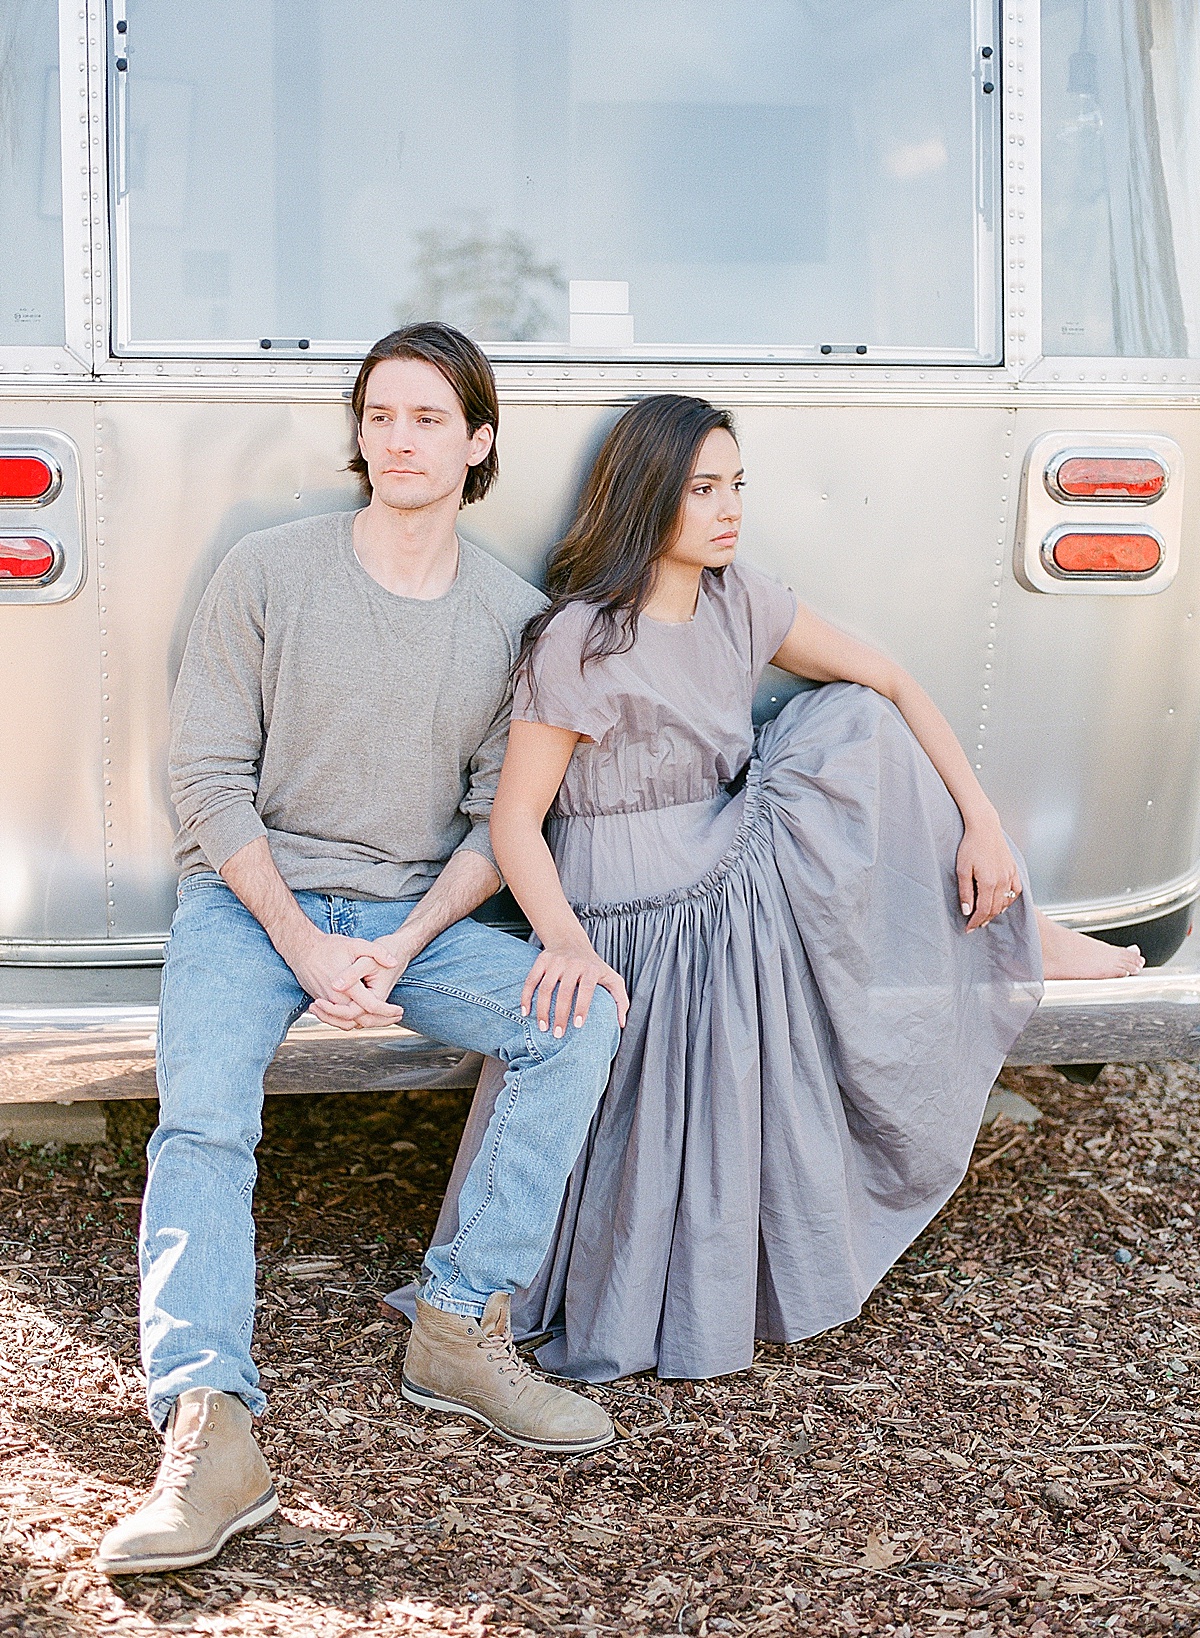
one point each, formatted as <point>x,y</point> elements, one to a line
<point>467,1307</point>
<point>159,1409</point>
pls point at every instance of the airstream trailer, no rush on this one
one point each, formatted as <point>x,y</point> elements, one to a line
<point>941,257</point>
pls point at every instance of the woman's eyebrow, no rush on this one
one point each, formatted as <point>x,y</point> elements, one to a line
<point>715,477</point>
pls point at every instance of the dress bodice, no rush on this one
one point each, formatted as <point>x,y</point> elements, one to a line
<point>668,722</point>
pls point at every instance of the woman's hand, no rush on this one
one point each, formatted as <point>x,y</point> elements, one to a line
<point>576,971</point>
<point>988,879</point>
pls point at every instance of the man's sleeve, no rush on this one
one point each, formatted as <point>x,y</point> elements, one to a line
<point>482,779</point>
<point>217,715</point>
<point>484,769</point>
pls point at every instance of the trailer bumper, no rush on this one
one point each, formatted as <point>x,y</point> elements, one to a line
<point>66,1053</point>
<point>62,1054</point>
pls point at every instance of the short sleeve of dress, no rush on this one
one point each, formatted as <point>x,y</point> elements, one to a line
<point>772,607</point>
<point>553,690</point>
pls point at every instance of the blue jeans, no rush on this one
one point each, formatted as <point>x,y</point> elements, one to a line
<point>228,999</point>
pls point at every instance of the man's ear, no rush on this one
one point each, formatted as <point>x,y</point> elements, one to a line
<point>481,443</point>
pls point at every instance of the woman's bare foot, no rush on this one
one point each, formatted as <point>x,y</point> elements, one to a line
<point>1066,954</point>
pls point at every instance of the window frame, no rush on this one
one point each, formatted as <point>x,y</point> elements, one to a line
<point>77,75</point>
<point>521,360</point>
<point>1096,374</point>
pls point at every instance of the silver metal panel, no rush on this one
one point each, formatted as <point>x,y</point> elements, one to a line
<point>894,519</point>
<point>1092,725</point>
<point>179,483</point>
<point>51,824</point>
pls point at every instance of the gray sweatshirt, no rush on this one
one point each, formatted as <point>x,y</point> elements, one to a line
<point>361,733</point>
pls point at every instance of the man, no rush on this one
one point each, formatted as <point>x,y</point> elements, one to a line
<point>337,732</point>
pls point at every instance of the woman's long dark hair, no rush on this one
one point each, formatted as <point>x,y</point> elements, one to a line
<point>626,519</point>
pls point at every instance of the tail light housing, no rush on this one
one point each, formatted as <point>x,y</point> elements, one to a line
<point>1093,551</point>
<point>1100,512</point>
<point>1126,477</point>
<point>28,477</point>
<point>35,560</point>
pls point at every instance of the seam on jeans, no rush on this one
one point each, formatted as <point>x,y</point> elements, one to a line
<point>489,1192</point>
<point>456,994</point>
<point>160,1053</point>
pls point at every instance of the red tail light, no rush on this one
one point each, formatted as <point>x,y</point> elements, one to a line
<point>1107,554</point>
<point>1106,475</point>
<point>27,557</point>
<point>27,478</point>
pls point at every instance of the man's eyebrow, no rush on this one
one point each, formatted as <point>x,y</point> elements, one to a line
<point>417,409</point>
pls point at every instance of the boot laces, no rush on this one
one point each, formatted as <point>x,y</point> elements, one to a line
<point>502,1351</point>
<point>178,1465</point>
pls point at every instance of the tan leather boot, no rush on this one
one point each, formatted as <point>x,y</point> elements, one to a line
<point>471,1368</point>
<point>213,1482</point>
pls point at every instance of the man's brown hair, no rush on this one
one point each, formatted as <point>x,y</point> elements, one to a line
<point>466,369</point>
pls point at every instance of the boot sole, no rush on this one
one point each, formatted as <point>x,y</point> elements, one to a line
<point>436,1402</point>
<point>157,1563</point>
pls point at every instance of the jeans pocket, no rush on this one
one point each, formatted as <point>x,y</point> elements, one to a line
<point>197,882</point>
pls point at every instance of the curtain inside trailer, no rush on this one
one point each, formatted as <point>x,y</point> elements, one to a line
<point>1120,200</point>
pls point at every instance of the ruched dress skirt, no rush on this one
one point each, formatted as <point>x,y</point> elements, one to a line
<point>810,1045</point>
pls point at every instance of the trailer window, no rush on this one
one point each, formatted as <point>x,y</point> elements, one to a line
<point>560,177</point>
<point>1120,158</point>
<point>31,266</point>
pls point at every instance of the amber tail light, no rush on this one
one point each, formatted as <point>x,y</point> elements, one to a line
<point>1132,476</point>
<point>1073,553</point>
<point>27,557</point>
<point>29,479</point>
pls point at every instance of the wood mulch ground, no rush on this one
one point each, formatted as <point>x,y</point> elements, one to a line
<point>1004,1442</point>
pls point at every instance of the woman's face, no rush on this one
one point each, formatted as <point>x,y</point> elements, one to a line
<point>711,515</point>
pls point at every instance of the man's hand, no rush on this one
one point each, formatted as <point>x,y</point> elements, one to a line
<point>364,983</point>
<point>349,979</point>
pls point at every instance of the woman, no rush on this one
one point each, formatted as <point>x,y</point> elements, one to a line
<point>819,941</point>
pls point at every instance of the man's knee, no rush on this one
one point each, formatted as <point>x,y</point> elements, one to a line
<point>600,1033</point>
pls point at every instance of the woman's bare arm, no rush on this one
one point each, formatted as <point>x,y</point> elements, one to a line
<point>534,765</point>
<point>987,871</point>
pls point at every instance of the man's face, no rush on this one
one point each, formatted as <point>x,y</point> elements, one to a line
<point>414,435</point>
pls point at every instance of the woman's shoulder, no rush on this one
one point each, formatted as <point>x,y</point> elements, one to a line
<point>566,632</point>
<point>744,582</point>
<point>755,607</point>
<point>554,687</point>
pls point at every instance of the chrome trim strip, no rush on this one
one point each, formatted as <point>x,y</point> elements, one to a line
<point>1050,476</point>
<point>147,952</point>
<point>1126,910</point>
<point>1097,576</point>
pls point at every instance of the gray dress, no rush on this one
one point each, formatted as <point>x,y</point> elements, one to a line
<point>812,1034</point>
